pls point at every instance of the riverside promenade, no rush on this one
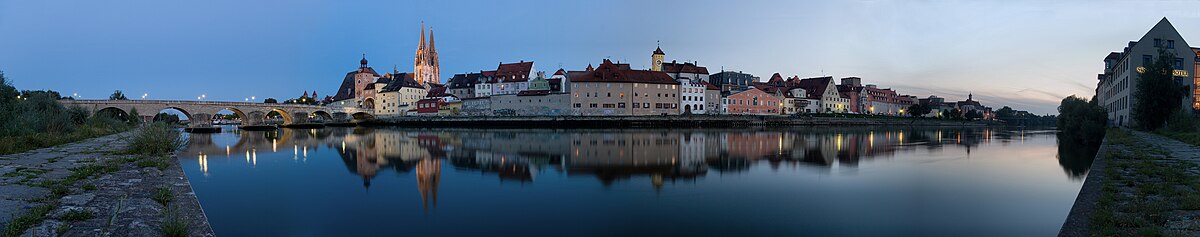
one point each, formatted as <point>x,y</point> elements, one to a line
<point>87,188</point>
<point>1140,184</point>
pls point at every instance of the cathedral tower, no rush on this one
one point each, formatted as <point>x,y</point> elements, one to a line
<point>425,64</point>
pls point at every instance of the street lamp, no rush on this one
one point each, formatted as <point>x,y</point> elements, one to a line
<point>144,95</point>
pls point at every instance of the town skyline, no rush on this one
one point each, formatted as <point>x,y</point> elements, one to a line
<point>287,59</point>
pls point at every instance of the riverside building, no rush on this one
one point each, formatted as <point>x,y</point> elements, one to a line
<point>1115,87</point>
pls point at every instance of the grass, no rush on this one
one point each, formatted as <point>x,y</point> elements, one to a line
<point>174,224</point>
<point>163,195</point>
<point>1142,186</point>
<point>30,218</point>
<point>157,162</point>
<point>22,143</point>
<point>157,139</point>
<point>89,187</point>
<point>77,215</point>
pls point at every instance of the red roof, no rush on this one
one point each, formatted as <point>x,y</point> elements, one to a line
<point>560,72</point>
<point>776,79</point>
<point>658,50</point>
<point>611,72</point>
<point>514,72</point>
<point>709,86</point>
<point>815,87</point>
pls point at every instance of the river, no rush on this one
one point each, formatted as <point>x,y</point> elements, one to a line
<point>854,181</point>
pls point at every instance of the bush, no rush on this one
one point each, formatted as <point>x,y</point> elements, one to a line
<point>155,139</point>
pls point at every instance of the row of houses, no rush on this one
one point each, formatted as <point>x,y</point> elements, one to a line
<point>617,89</point>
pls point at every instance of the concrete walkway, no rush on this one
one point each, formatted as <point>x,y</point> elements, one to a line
<point>1177,149</point>
<point>82,185</point>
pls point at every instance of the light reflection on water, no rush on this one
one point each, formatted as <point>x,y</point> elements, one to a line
<point>545,182</point>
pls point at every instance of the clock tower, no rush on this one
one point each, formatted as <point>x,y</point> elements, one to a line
<point>656,59</point>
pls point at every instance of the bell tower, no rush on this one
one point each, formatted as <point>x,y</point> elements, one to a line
<point>656,59</point>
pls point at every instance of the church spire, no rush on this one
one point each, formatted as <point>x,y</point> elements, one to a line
<point>422,45</point>
<point>431,45</point>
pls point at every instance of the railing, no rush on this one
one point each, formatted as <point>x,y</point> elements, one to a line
<point>189,102</point>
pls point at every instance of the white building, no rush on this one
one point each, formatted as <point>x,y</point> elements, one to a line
<point>691,96</point>
<point>1122,69</point>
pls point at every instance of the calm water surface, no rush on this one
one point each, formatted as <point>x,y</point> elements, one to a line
<point>633,182</point>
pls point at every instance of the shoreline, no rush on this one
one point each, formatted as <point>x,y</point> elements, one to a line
<point>91,187</point>
<point>1078,222</point>
<point>703,121</point>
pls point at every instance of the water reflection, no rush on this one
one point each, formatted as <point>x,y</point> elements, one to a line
<point>608,155</point>
<point>939,174</point>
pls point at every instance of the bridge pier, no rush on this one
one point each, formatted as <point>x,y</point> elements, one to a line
<point>202,123</point>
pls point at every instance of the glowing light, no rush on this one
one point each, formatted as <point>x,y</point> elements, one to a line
<point>203,159</point>
<point>254,159</point>
<point>274,145</point>
<point>227,151</point>
<point>305,152</point>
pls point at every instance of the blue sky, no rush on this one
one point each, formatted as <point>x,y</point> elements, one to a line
<point>1027,54</point>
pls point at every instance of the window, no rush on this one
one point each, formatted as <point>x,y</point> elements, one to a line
<point>620,105</point>
<point>1170,44</point>
<point>1146,60</point>
<point>636,105</point>
<point>593,105</point>
<point>1157,43</point>
<point>646,105</point>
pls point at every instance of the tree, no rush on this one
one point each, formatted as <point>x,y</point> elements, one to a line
<point>117,95</point>
<point>974,115</point>
<point>8,93</point>
<point>1081,120</point>
<point>919,110</point>
<point>956,114</point>
<point>134,117</point>
<point>1006,112</point>
<point>270,101</point>
<point>1156,94</point>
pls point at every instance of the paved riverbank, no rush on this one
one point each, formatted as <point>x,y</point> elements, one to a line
<point>1140,184</point>
<point>656,121</point>
<point>88,189</point>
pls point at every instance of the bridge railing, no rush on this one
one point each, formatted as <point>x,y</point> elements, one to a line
<point>189,102</point>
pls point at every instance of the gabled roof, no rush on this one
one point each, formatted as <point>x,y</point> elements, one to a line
<point>437,92</point>
<point>815,86</point>
<point>402,80</point>
<point>514,72</point>
<point>709,86</point>
<point>685,67</point>
<point>346,91</point>
<point>560,72</point>
<point>465,80</point>
<point>611,72</point>
<point>658,50</point>
<point>776,79</point>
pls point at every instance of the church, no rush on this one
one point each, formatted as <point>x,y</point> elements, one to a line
<point>393,92</point>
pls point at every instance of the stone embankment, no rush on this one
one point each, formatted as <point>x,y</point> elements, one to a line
<point>656,121</point>
<point>89,188</point>
<point>1140,184</point>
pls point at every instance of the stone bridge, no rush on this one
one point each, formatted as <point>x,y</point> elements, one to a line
<point>200,113</point>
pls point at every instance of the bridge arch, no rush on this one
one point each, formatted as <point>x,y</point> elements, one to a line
<point>362,116</point>
<point>186,114</point>
<point>114,112</point>
<point>324,117</point>
<point>287,117</point>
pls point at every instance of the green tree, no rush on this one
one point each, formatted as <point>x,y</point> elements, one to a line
<point>1005,112</point>
<point>270,101</point>
<point>1157,94</point>
<point>919,110</point>
<point>1082,120</point>
<point>973,115</point>
<point>8,93</point>
<point>117,95</point>
<point>134,118</point>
